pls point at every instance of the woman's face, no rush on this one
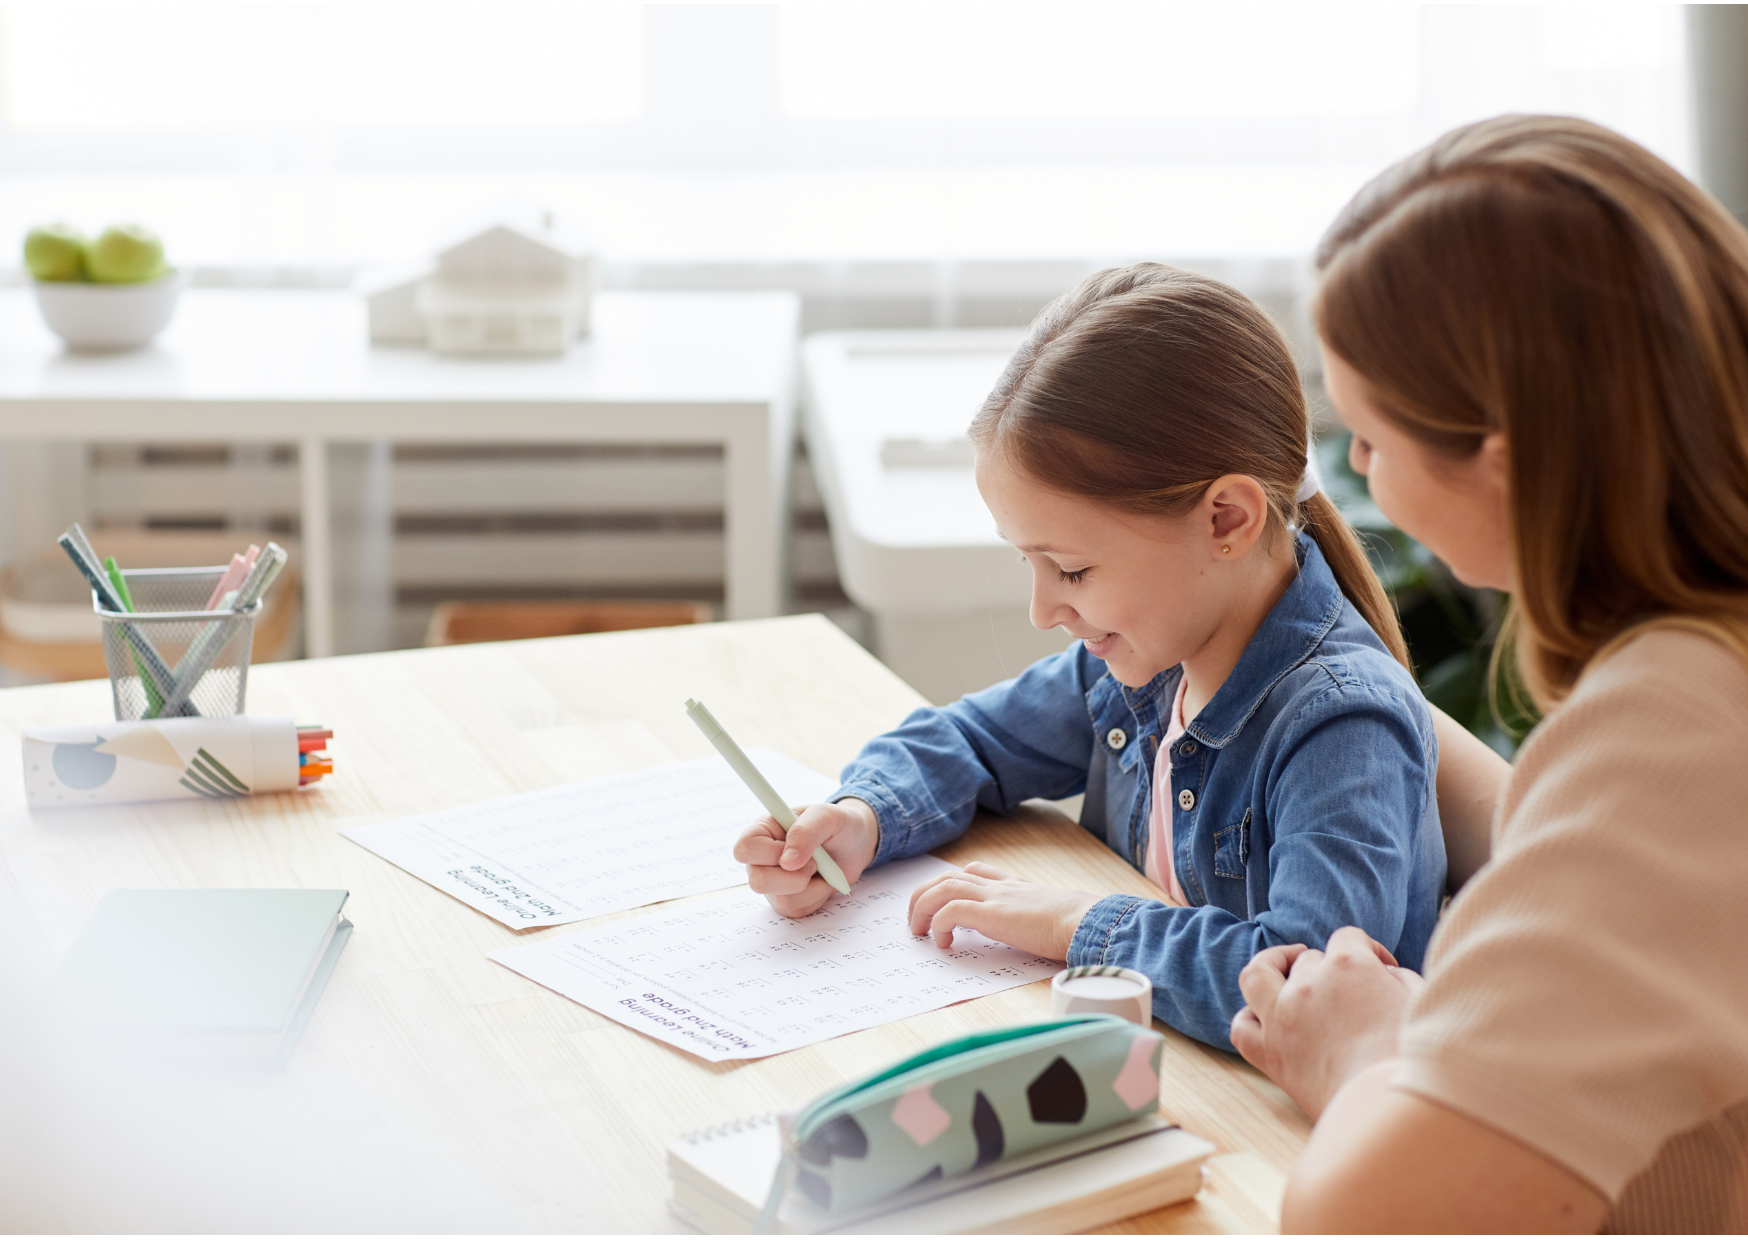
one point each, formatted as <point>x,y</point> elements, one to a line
<point>1457,509</point>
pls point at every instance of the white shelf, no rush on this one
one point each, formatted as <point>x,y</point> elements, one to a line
<point>296,366</point>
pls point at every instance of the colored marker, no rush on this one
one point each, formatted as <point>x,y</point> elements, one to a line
<point>157,675</point>
<point>213,637</point>
<point>233,576</point>
<point>311,763</point>
<point>154,699</point>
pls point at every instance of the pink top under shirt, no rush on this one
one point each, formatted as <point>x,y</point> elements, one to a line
<point>1159,829</point>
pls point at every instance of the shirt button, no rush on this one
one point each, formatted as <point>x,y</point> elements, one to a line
<point>1186,799</point>
<point>1187,748</point>
<point>1116,738</point>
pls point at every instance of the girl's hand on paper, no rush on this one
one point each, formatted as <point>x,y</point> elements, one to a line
<point>1029,917</point>
<point>780,866</point>
<point>1315,1019</point>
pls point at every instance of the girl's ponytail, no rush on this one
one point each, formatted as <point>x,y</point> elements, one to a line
<point>1353,571</point>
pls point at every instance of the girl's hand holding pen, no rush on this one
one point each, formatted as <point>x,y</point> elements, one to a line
<point>780,864</point>
<point>1027,916</point>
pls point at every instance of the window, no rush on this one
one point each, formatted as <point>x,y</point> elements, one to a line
<point>1013,60</point>
<point>300,136</point>
<point>144,66</point>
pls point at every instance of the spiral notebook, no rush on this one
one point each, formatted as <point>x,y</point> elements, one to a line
<point>721,1176</point>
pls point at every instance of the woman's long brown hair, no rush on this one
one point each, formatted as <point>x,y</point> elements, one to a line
<point>1143,385</point>
<point>1549,279</point>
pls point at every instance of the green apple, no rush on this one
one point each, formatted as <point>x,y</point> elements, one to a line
<point>125,254</point>
<point>55,252</point>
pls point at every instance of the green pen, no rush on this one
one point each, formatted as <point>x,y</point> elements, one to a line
<point>113,570</point>
<point>755,780</point>
<point>154,699</point>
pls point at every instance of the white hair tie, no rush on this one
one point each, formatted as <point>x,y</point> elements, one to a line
<point>1312,482</point>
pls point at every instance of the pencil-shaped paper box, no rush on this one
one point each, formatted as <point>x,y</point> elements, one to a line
<point>166,759</point>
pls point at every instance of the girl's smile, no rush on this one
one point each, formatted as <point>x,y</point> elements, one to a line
<point>1097,647</point>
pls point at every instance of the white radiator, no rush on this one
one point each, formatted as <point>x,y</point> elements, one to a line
<point>482,521</point>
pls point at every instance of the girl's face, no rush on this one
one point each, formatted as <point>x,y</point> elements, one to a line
<point>1137,590</point>
<point>1458,509</point>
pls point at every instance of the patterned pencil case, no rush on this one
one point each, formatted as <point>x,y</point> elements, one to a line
<point>966,1104</point>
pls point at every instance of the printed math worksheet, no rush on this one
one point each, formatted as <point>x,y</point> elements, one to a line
<point>599,846</point>
<point>731,978</point>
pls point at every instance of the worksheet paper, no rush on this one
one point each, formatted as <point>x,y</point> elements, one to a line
<point>730,978</point>
<point>600,846</point>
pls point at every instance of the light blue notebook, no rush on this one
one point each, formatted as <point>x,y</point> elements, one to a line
<point>216,973</point>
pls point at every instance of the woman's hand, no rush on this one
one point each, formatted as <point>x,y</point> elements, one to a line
<point>780,864</point>
<point>1316,1019</point>
<point>1029,917</point>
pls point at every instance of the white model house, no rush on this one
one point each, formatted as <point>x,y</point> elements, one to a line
<point>518,284</point>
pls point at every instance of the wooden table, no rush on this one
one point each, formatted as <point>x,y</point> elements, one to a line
<point>442,1091</point>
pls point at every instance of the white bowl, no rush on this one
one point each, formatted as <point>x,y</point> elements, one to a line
<point>109,316</point>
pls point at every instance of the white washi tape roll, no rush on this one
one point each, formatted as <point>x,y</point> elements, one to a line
<point>1103,988</point>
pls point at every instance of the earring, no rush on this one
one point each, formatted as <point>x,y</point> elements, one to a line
<point>1226,548</point>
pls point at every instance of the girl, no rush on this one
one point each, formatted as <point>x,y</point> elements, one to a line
<point>1538,332</point>
<point>1238,711</point>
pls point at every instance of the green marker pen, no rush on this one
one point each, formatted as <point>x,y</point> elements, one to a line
<point>761,787</point>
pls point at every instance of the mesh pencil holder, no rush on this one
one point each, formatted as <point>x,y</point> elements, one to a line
<point>170,657</point>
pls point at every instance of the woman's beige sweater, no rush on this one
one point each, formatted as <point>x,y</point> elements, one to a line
<point>1587,991</point>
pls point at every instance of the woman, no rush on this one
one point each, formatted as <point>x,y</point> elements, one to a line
<point>1538,333</point>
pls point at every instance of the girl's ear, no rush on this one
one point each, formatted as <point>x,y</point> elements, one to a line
<point>1237,510</point>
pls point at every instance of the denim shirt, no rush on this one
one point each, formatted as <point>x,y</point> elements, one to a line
<point>1302,796</point>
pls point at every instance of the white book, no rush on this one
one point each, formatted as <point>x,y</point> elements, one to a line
<point>721,1176</point>
<point>201,972</point>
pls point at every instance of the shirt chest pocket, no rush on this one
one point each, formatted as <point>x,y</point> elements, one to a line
<point>1232,849</point>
